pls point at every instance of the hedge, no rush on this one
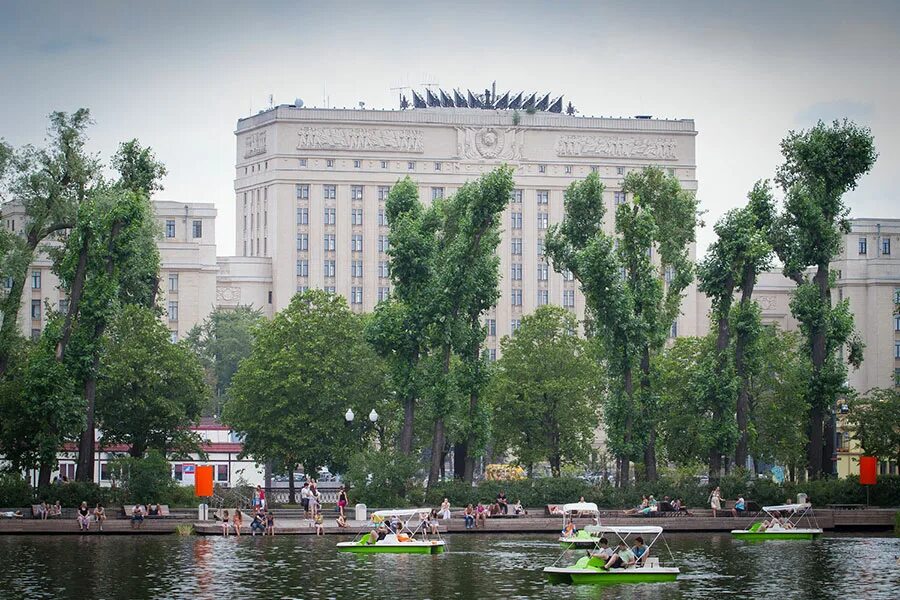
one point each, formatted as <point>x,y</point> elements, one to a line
<point>15,492</point>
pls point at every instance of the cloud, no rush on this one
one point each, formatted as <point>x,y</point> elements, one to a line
<point>860,112</point>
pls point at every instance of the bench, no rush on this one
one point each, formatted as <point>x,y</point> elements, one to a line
<point>846,506</point>
<point>36,512</point>
<point>164,511</point>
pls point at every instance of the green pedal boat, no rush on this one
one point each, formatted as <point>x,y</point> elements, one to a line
<point>783,523</point>
<point>591,569</point>
<point>571,537</point>
<point>402,531</point>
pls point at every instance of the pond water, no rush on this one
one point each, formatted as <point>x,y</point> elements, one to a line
<point>476,566</point>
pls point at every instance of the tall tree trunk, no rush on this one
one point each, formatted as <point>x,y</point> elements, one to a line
<point>723,336</point>
<point>85,466</point>
<point>817,412</point>
<point>649,417</point>
<point>629,424</point>
<point>828,464</point>
<point>742,449</point>
<point>438,439</point>
<point>44,471</point>
<point>75,293</point>
<point>460,456</point>
<point>406,433</point>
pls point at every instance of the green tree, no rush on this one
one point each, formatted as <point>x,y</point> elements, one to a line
<point>630,306</point>
<point>149,390</point>
<point>875,421</point>
<point>820,166</point>
<point>545,392</point>
<point>308,365</point>
<point>49,184</point>
<point>733,262</point>
<point>221,342</point>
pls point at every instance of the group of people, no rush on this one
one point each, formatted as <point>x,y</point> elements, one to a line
<point>45,511</point>
<point>479,513</point>
<point>84,516</point>
<point>650,505</point>
<point>622,557</point>
<point>715,503</point>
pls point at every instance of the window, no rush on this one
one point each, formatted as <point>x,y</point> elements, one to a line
<point>302,191</point>
<point>540,246</point>
<point>384,164</point>
<point>516,219</point>
<point>886,246</point>
<point>543,272</point>
<point>303,268</point>
<point>35,280</point>
<point>356,242</point>
<point>568,276</point>
<point>178,472</point>
<point>356,192</point>
<point>410,165</point>
<point>542,168</point>
<point>896,295</point>
<point>384,293</point>
<point>620,170</point>
<point>356,295</point>
<point>543,196</point>
<point>543,220</point>
<point>329,163</point>
<point>383,191</point>
<point>67,470</point>
<point>437,193</point>
<point>329,289</point>
<point>170,228</point>
<point>673,330</point>
<point>516,246</point>
<point>863,245</point>
<point>222,473</point>
<point>897,377</point>
<point>516,197</point>
<point>595,168</point>
<point>302,162</point>
<point>197,229</point>
<point>515,271</point>
<point>384,269</point>
<point>669,274</point>
<point>330,244</point>
<point>330,215</point>
<point>543,297</point>
<point>491,354</point>
<point>330,191</point>
<point>897,323</point>
<point>491,325</point>
<point>302,242</point>
<point>63,306</point>
<point>328,268</point>
<point>569,298</point>
<point>437,166</point>
<point>515,297</point>
<point>383,243</point>
<point>302,215</point>
<point>671,172</point>
<point>173,336</point>
<point>618,198</point>
<point>9,283</point>
<point>896,349</point>
<point>173,310</point>
<point>382,218</point>
<point>35,310</point>
<point>357,164</point>
<point>173,282</point>
<point>356,216</point>
<point>356,269</point>
<point>514,325</point>
<point>568,169</point>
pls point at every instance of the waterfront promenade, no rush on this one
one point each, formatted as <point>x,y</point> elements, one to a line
<point>293,524</point>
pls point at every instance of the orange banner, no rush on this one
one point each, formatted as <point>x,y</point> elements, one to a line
<point>867,468</point>
<point>203,481</point>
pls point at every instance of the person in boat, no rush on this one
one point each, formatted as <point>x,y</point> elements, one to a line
<point>640,550</point>
<point>622,559</point>
<point>570,530</point>
<point>469,516</point>
<point>378,534</point>
<point>396,524</point>
<point>604,551</point>
<point>740,506</point>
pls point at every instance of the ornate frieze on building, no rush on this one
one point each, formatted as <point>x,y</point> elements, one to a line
<point>255,144</point>
<point>228,295</point>
<point>490,143</point>
<point>616,147</point>
<point>767,303</point>
<point>359,138</point>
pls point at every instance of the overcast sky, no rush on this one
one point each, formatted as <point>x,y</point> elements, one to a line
<point>178,75</point>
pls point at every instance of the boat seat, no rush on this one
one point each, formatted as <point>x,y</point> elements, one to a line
<point>652,562</point>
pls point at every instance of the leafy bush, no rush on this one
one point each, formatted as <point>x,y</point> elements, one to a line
<point>383,479</point>
<point>14,491</point>
<point>145,480</point>
<point>73,493</point>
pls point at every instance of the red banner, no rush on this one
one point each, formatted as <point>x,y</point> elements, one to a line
<point>867,470</point>
<point>203,481</point>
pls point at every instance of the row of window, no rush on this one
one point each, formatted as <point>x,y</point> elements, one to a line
<point>330,216</point>
<point>543,220</point>
<point>543,297</point>
<point>543,272</point>
<point>356,269</point>
<point>383,292</point>
<point>196,228</point>
<point>885,246</point>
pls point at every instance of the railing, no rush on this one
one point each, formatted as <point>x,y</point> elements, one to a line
<point>280,495</point>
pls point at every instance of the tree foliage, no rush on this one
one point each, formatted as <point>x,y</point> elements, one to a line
<point>149,390</point>
<point>546,392</point>
<point>820,165</point>
<point>308,365</point>
<point>875,421</point>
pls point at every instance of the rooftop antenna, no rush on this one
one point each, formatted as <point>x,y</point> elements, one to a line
<point>431,84</point>
<point>271,100</point>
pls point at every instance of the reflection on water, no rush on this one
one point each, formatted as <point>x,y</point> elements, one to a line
<point>476,566</point>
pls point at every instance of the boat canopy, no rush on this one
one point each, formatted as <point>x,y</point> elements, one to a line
<point>580,507</point>
<point>627,529</point>
<point>401,512</point>
<point>788,507</point>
